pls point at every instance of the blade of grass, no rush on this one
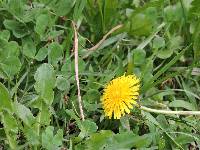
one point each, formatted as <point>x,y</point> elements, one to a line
<point>163,70</point>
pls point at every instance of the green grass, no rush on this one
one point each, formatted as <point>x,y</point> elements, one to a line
<point>158,41</point>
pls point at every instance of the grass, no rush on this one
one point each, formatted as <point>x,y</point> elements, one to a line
<point>57,56</point>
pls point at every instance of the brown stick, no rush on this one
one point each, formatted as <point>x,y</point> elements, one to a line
<point>104,37</point>
<point>76,70</point>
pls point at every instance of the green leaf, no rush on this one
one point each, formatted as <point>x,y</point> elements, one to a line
<point>158,42</point>
<point>87,127</point>
<point>127,140</point>
<point>92,95</point>
<point>63,7</point>
<point>165,53</point>
<point>42,54</point>
<point>11,66</point>
<point>51,142</point>
<point>31,136</point>
<point>62,83</point>
<point>140,25</point>
<point>139,56</point>
<point>16,7</point>
<point>24,114</point>
<point>11,129</point>
<point>175,42</point>
<point>99,140</point>
<point>29,48</point>
<point>42,22</point>
<point>18,29</point>
<point>9,52</point>
<point>55,53</point>
<point>45,82</point>
<point>5,34</point>
<point>5,100</point>
<point>44,115</point>
<point>182,104</point>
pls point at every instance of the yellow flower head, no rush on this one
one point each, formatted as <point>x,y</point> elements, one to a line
<point>120,95</point>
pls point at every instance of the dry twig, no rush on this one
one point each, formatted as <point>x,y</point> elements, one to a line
<point>76,70</point>
<point>104,37</point>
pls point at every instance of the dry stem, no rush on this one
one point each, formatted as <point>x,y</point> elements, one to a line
<point>76,70</point>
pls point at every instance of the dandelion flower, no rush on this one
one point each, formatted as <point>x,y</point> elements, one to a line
<point>120,95</point>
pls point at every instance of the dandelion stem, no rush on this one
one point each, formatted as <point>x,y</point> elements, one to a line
<point>169,112</point>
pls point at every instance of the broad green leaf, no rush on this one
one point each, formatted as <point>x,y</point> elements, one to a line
<point>29,47</point>
<point>63,7</point>
<point>99,140</point>
<point>51,141</point>
<point>158,42</point>
<point>18,29</point>
<point>53,34</point>
<point>55,53</point>
<point>87,127</point>
<point>139,56</point>
<point>175,42</point>
<point>165,53</point>
<point>16,7</point>
<point>5,34</point>
<point>127,140</point>
<point>41,54</point>
<point>92,95</point>
<point>42,22</point>
<point>24,114</point>
<point>45,82</point>
<point>62,83</point>
<point>173,13</point>
<point>11,66</point>
<point>182,104</point>
<point>9,61</point>
<point>5,100</point>
<point>140,25</point>
<point>31,136</point>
